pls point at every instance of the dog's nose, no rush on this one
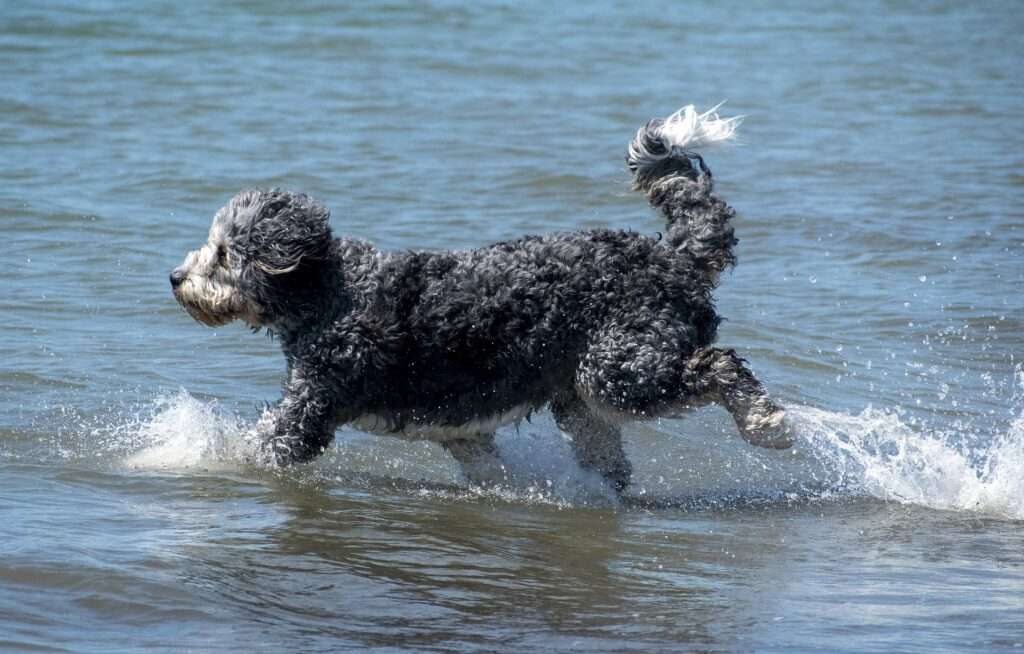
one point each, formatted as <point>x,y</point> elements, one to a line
<point>177,277</point>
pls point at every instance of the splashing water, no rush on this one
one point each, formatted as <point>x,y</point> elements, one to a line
<point>185,432</point>
<point>873,453</point>
<point>877,454</point>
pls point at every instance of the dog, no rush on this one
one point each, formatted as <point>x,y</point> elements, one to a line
<point>602,326</point>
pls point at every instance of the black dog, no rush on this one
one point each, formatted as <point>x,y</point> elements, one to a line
<point>605,326</point>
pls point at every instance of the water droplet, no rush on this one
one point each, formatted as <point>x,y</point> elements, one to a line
<point>923,278</point>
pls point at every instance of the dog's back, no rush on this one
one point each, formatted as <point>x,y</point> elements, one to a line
<point>473,332</point>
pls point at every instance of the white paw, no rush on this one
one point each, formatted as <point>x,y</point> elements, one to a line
<point>768,430</point>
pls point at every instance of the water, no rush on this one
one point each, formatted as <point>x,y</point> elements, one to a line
<point>879,295</point>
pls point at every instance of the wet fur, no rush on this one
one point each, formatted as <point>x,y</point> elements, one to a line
<point>605,326</point>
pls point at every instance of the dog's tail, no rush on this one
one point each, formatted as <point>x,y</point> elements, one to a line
<point>676,180</point>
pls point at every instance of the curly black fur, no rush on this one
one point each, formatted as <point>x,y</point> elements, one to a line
<point>605,325</point>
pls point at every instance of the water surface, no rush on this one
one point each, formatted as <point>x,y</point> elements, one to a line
<point>879,295</point>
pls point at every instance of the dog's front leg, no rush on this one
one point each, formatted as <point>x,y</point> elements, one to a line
<point>302,425</point>
<point>596,442</point>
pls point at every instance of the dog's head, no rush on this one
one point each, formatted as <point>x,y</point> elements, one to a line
<point>262,262</point>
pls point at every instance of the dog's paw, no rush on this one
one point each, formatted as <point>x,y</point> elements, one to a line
<point>280,451</point>
<point>619,480</point>
<point>768,429</point>
<point>277,450</point>
<point>285,451</point>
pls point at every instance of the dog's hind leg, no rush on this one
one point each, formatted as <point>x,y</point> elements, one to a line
<point>639,374</point>
<point>479,459</point>
<point>596,442</point>
<point>721,376</point>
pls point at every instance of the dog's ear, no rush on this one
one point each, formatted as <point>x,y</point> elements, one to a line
<point>290,231</point>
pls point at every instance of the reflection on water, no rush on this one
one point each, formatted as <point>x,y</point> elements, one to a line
<point>334,567</point>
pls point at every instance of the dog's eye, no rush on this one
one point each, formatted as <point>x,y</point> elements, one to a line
<point>222,254</point>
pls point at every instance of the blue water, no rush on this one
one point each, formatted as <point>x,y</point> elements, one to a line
<point>879,184</point>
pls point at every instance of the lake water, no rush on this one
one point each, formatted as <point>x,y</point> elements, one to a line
<point>879,295</point>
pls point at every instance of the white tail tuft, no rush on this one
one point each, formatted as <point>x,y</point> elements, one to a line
<point>663,139</point>
<point>688,129</point>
